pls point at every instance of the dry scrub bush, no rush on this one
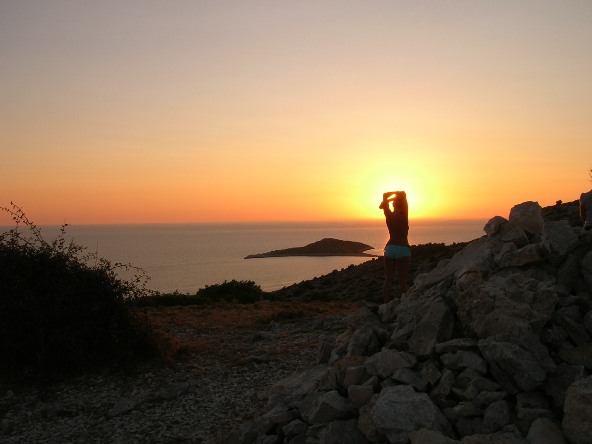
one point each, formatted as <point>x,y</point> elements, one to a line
<point>61,310</point>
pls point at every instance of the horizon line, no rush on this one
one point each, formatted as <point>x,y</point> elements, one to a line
<point>261,222</point>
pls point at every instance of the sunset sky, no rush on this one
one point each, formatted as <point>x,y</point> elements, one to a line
<point>248,110</point>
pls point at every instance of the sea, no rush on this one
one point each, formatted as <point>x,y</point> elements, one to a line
<point>186,257</point>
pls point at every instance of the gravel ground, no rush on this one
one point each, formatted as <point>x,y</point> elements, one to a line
<point>222,380</point>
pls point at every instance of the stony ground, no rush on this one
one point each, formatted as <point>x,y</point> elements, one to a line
<point>229,357</point>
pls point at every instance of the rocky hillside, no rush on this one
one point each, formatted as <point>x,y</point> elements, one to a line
<point>492,345</point>
<point>364,281</point>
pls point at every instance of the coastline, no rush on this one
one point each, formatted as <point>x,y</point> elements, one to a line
<point>185,258</point>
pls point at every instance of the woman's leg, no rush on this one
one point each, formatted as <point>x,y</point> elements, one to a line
<point>389,277</point>
<point>403,266</point>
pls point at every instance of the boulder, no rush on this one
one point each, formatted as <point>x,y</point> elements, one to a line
<point>510,256</point>
<point>466,426</point>
<point>493,438</point>
<point>399,410</point>
<point>430,371</point>
<point>506,305</point>
<point>528,216</point>
<point>280,415</point>
<point>559,381</point>
<point>477,255</point>
<point>343,365</point>
<point>578,355</point>
<point>385,362</point>
<point>409,377</point>
<point>324,351</point>
<point>506,231</point>
<point>571,320</point>
<point>366,424</point>
<point>587,267</point>
<point>485,398</point>
<point>295,427</point>
<point>354,375</point>
<point>544,431</point>
<point>342,432</point>
<point>529,407</point>
<point>426,436</point>
<point>588,322</point>
<point>294,387</point>
<point>470,376</point>
<point>510,362</point>
<point>559,237</point>
<point>569,272</point>
<point>359,318</point>
<point>444,386</point>
<point>387,312</point>
<point>362,342</point>
<point>464,359</point>
<point>497,415</point>
<point>456,344</point>
<point>359,395</point>
<point>422,323</point>
<point>577,426</point>
<point>328,407</point>
<point>464,409</point>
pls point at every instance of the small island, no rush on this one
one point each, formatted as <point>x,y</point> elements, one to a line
<point>324,247</point>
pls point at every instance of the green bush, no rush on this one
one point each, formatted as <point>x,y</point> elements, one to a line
<point>59,313</point>
<point>243,292</point>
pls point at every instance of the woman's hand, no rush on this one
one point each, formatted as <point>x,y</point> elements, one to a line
<point>385,198</point>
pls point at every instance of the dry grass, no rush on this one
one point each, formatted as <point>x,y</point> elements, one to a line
<point>228,332</point>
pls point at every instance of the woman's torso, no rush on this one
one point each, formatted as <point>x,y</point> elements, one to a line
<point>398,227</point>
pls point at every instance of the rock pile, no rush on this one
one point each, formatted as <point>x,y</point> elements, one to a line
<point>493,345</point>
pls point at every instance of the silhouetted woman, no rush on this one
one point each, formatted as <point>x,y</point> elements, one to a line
<point>586,208</point>
<point>397,254</point>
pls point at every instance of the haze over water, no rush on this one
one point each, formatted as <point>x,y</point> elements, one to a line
<point>186,257</point>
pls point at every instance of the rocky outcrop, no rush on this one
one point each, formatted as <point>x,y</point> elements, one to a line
<point>493,345</point>
<point>324,247</point>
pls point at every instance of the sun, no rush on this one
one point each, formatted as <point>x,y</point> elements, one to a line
<point>367,194</point>
<point>358,184</point>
